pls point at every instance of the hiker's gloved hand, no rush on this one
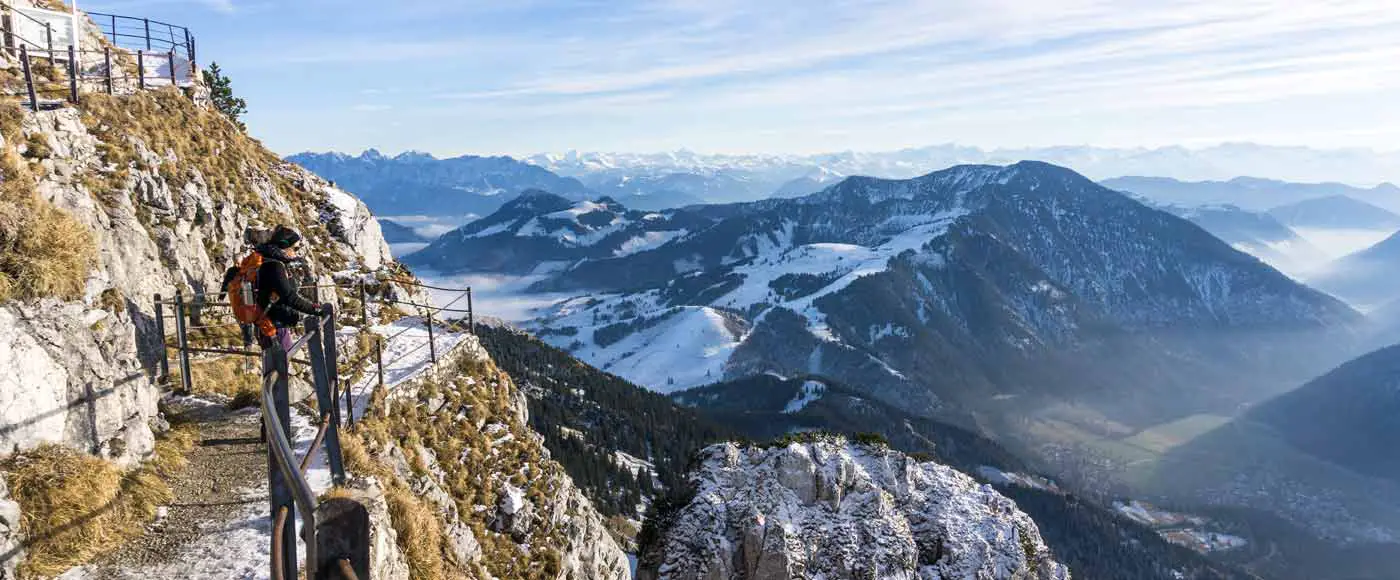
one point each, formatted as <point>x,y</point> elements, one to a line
<point>323,309</point>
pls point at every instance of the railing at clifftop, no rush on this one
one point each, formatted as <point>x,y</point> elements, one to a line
<point>138,54</point>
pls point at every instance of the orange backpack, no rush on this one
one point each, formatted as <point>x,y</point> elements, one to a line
<point>242,294</point>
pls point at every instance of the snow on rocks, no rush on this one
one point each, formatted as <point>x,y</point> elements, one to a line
<point>833,509</point>
<point>238,548</point>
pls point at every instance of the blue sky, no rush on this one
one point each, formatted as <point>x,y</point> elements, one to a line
<point>779,76</point>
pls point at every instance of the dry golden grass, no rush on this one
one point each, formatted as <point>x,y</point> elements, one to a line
<point>474,469</point>
<point>112,300</point>
<point>224,376</point>
<point>77,506</point>
<point>419,533</point>
<point>215,332</point>
<point>11,120</point>
<point>202,140</point>
<point>44,251</point>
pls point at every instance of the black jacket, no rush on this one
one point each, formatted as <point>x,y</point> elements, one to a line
<point>273,280</point>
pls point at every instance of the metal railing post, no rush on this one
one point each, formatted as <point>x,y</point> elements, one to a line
<point>349,406</point>
<point>174,82</point>
<point>432,344</point>
<point>321,376</point>
<point>9,35</point>
<point>189,51</point>
<point>141,69</point>
<point>379,359</point>
<point>48,40</point>
<point>343,533</point>
<point>160,333</point>
<point>333,373</point>
<point>28,78</point>
<point>471,313</point>
<point>279,489</point>
<point>72,74</point>
<point>364,308</point>
<point>148,32</point>
<point>185,380</point>
<point>107,62</point>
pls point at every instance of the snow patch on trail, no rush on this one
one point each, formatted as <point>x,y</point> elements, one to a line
<point>239,548</point>
<point>406,356</point>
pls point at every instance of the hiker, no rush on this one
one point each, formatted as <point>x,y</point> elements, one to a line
<point>262,292</point>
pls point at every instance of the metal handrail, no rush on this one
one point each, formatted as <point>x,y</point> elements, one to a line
<point>281,448</point>
<point>140,29</point>
<point>422,285</point>
<point>279,445</point>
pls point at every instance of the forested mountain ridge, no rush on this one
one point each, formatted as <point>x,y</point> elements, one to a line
<point>1025,284</point>
<point>585,415</point>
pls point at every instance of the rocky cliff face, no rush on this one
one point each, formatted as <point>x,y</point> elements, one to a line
<point>163,189</point>
<point>165,218</point>
<point>829,508</point>
<point>457,444</point>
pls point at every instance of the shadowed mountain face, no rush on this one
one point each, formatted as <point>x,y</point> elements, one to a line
<point>1369,278</point>
<point>397,233</point>
<point>1323,456</point>
<point>1336,212</point>
<point>1350,416</point>
<point>1258,234</point>
<point>1252,193</point>
<point>764,407</point>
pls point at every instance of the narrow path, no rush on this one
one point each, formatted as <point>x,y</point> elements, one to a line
<point>218,527</point>
<point>214,495</point>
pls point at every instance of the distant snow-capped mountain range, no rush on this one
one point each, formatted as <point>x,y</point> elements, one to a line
<point>1221,162</point>
<point>416,183</point>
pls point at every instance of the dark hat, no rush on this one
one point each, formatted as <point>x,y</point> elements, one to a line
<point>284,237</point>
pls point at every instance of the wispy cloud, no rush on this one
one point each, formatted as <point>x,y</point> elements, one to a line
<point>739,74</point>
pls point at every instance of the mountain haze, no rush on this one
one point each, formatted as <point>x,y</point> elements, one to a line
<point>977,287</point>
<point>1251,193</point>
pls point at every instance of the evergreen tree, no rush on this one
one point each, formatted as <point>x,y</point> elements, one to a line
<point>221,92</point>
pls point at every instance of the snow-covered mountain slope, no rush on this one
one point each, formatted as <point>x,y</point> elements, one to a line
<point>958,286</point>
<point>667,190</point>
<point>816,180</point>
<point>1250,193</point>
<point>542,228</point>
<point>1339,212</point>
<point>829,508</point>
<point>418,183</point>
<point>1369,278</point>
<point>1257,234</point>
